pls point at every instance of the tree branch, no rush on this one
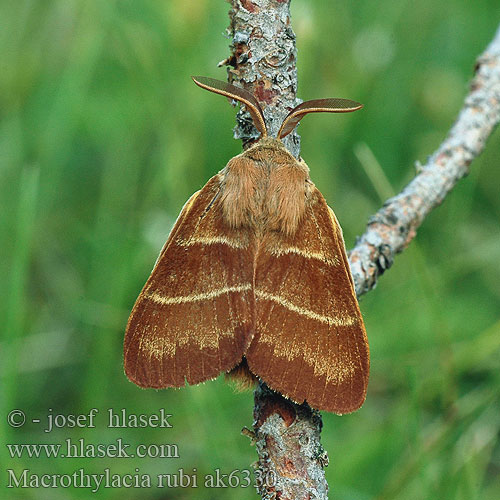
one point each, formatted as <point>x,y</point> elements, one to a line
<point>263,60</point>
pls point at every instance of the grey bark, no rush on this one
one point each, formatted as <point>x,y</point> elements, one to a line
<point>263,60</point>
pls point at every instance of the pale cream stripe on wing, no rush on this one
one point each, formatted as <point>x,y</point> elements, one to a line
<point>212,240</point>
<point>336,370</point>
<point>340,321</point>
<point>160,299</point>
<point>331,261</point>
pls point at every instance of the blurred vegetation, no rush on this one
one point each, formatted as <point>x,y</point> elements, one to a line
<point>103,137</point>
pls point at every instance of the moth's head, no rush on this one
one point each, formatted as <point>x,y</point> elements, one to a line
<point>335,105</point>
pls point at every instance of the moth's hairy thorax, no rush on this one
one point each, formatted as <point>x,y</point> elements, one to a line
<point>265,188</point>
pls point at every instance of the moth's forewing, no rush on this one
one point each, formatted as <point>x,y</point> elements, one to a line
<point>310,342</point>
<point>193,318</point>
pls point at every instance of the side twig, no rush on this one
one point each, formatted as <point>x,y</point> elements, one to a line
<point>263,60</point>
<point>392,228</point>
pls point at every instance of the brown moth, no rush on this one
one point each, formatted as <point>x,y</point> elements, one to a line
<point>254,278</point>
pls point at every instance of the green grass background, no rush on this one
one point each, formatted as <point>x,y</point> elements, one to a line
<point>103,137</point>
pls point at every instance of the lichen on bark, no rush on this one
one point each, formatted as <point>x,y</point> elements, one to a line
<point>263,60</point>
